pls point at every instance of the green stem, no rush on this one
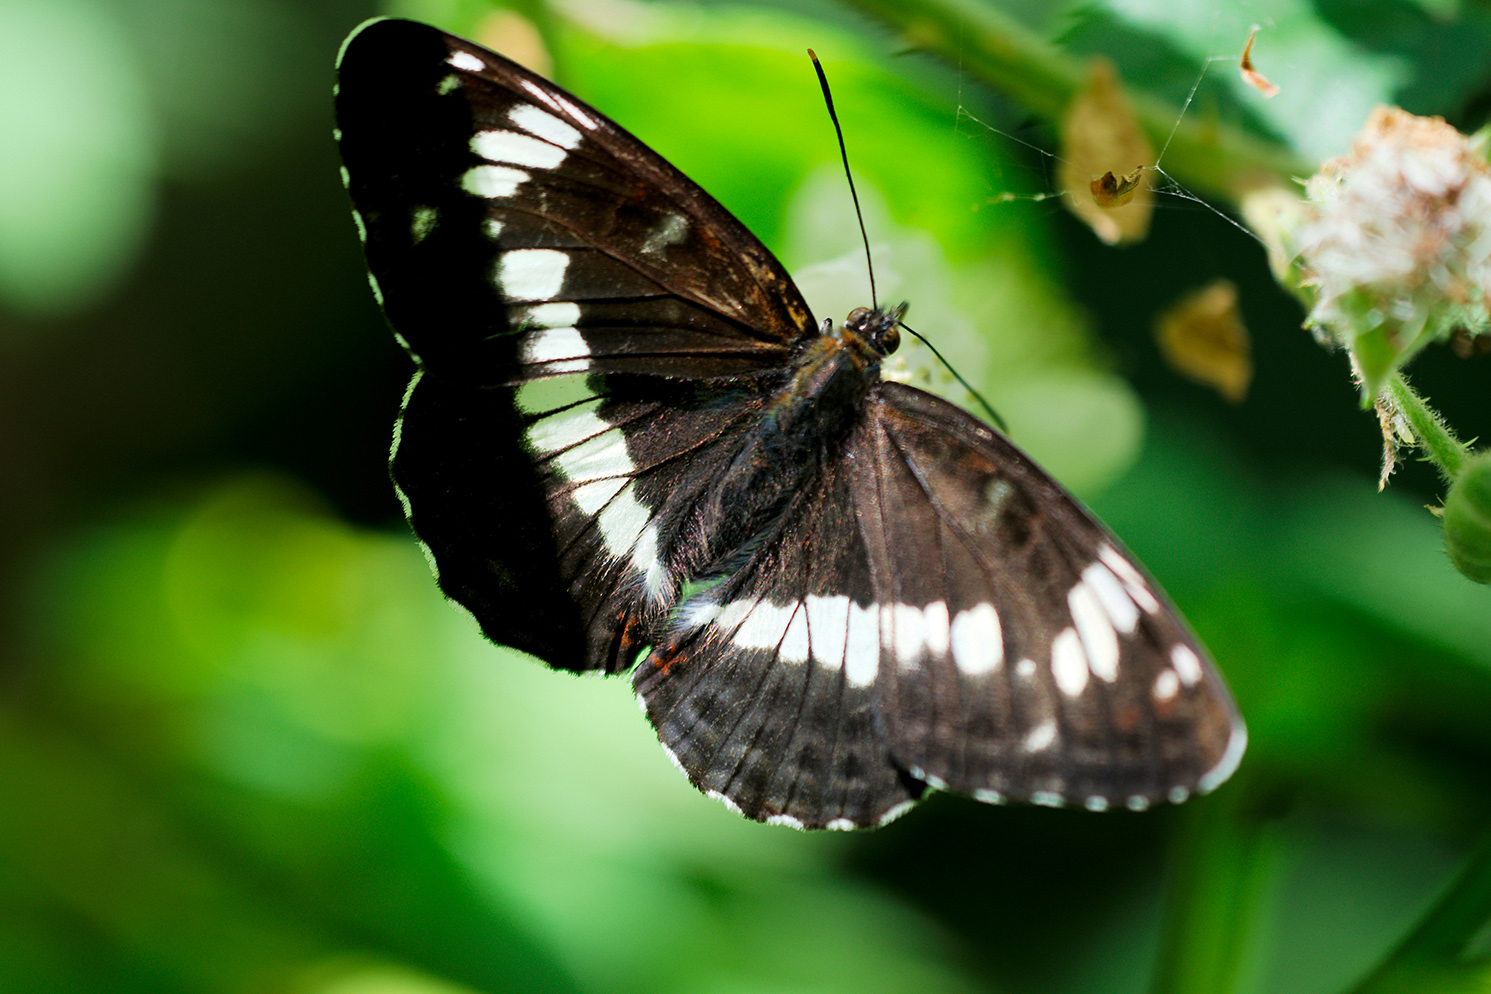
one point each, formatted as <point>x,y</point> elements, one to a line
<point>1223,868</point>
<point>1208,155</point>
<point>1435,956</point>
<point>1430,433</point>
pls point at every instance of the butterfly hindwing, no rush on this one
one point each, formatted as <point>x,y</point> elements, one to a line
<point>764,689</point>
<point>1025,655</point>
<point>935,610</point>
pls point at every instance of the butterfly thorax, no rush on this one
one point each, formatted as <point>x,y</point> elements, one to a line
<point>805,423</point>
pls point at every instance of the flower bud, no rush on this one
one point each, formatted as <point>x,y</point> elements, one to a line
<point>1467,519</point>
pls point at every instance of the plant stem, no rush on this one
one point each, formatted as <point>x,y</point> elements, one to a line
<point>1223,868</point>
<point>1209,155</point>
<point>1430,433</point>
<point>1434,955</point>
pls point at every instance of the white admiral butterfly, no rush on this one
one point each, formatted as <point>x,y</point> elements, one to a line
<point>626,432</point>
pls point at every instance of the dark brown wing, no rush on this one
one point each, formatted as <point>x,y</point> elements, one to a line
<point>1025,655</point>
<point>513,231</point>
<point>764,690</point>
<point>530,253</point>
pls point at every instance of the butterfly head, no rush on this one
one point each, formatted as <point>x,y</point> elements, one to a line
<point>879,327</point>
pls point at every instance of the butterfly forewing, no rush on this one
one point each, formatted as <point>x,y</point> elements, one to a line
<point>626,432</point>
<point>516,235</point>
<point>515,232</point>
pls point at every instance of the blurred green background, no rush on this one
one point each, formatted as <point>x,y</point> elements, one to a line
<point>245,747</point>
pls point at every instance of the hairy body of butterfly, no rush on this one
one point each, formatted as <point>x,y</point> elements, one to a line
<point>626,432</point>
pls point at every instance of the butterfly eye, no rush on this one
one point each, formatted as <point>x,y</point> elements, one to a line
<point>891,340</point>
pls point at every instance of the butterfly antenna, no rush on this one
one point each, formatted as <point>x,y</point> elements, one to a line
<point>844,154</point>
<point>993,414</point>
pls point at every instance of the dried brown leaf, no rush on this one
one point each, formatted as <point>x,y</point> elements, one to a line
<point>1252,76</point>
<point>1202,337</point>
<point>1100,135</point>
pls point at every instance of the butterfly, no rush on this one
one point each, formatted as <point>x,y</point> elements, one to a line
<point>628,446</point>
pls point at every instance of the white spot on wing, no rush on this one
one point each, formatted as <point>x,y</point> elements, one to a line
<point>1099,639</point>
<point>828,626</point>
<point>794,648</point>
<point>908,628</point>
<point>841,825</point>
<point>563,349</point>
<point>1134,583</point>
<point>1110,593</point>
<point>493,228</point>
<point>787,820</point>
<point>1138,802</point>
<point>568,428</point>
<point>1025,669</point>
<point>601,457</point>
<point>977,641</point>
<point>1040,737</point>
<point>1166,684</point>
<point>465,60</point>
<point>862,647</point>
<point>493,182</point>
<point>732,614</point>
<point>988,796</point>
<point>1187,665</point>
<point>1096,803</point>
<point>543,124</point>
<point>596,494</point>
<point>575,112</point>
<point>622,520</point>
<point>935,630</point>
<point>626,528</point>
<point>540,93</point>
<point>559,314</point>
<point>764,626</point>
<point>1069,663</point>
<point>1046,798</point>
<point>531,274</point>
<point>519,149</point>
<point>1178,795</point>
<point>647,561</point>
<point>698,614</point>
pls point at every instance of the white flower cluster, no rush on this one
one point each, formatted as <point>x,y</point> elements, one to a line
<point>1396,239</point>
